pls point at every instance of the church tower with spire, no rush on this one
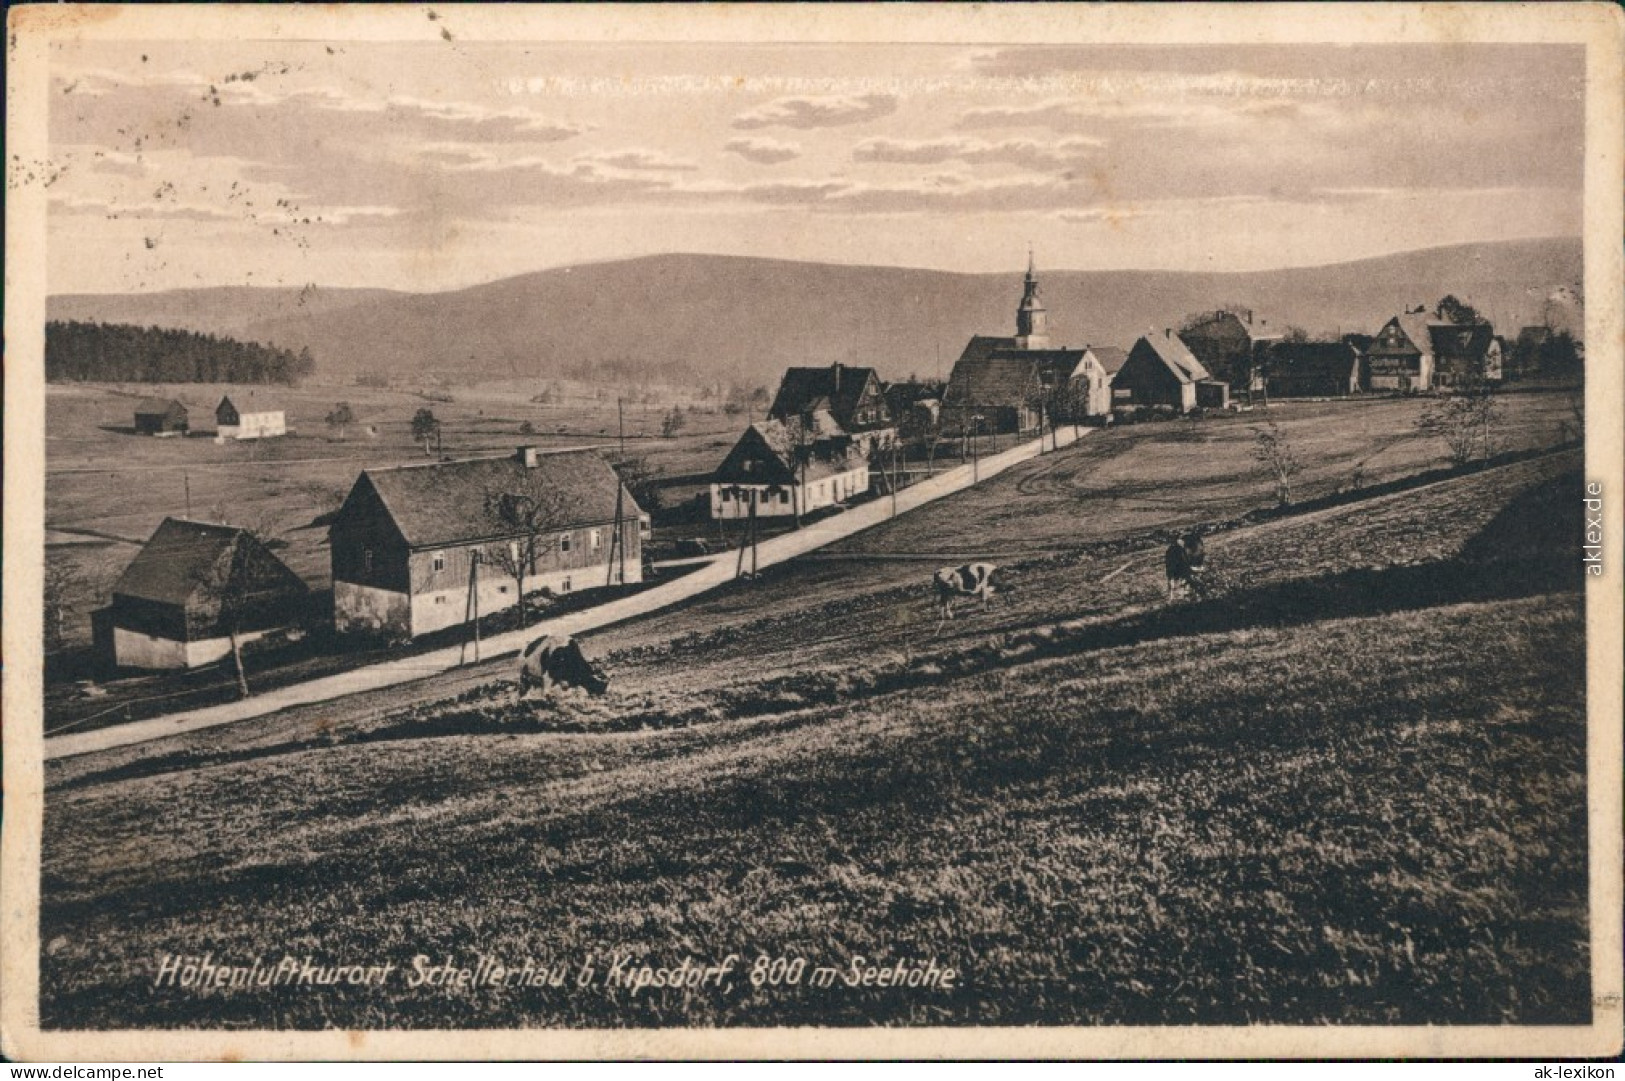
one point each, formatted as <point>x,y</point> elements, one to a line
<point>1032,320</point>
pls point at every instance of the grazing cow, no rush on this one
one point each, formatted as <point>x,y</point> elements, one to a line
<point>969,580</point>
<point>555,661</point>
<point>1183,562</point>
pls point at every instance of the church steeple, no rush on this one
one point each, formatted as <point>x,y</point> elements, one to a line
<point>1032,320</point>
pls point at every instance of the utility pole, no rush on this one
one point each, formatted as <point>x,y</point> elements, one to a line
<point>186,479</point>
<point>620,422</point>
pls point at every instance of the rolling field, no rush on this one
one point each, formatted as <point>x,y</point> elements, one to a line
<point>108,489</point>
<point>1350,789</point>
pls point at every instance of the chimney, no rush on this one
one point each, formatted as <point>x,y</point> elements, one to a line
<point>527,457</point>
<point>837,377</point>
<point>1167,332</point>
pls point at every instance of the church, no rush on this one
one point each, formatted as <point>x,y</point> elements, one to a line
<point>1014,384</point>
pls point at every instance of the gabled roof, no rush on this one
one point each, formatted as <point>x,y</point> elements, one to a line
<point>997,372</point>
<point>836,388</point>
<point>1109,356</point>
<point>183,556</point>
<point>157,407</point>
<point>818,441</point>
<point>451,503</point>
<point>1177,356</point>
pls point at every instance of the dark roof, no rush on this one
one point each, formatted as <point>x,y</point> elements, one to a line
<point>1177,356</point>
<point>157,407</point>
<point>1461,341</point>
<point>449,503</point>
<point>182,556</point>
<point>1111,358</point>
<point>1317,359</point>
<point>996,372</point>
<point>822,442</point>
<point>805,389</point>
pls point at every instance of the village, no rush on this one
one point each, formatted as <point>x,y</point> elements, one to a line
<point>446,549</point>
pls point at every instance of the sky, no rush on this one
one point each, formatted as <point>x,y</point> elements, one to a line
<point>436,166</point>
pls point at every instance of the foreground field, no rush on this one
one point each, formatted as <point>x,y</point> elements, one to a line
<point>1350,790</point>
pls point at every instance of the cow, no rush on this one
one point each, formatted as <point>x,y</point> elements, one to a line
<point>1184,561</point>
<point>968,580</point>
<point>556,661</point>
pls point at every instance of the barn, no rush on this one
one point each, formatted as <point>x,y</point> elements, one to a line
<point>1313,370</point>
<point>230,422</point>
<point>784,468</point>
<point>176,603</point>
<point>160,416</point>
<point>1161,372</point>
<point>419,548</point>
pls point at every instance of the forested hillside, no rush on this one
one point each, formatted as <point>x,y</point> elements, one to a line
<point>115,352</point>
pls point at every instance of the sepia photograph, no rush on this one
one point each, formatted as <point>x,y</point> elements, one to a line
<point>838,531</point>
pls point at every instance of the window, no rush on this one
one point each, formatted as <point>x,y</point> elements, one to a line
<point>440,561</point>
<point>784,497</point>
<point>596,539</point>
<point>440,600</point>
<point>502,589</point>
<point>725,495</point>
<point>564,586</point>
<point>564,543</point>
<point>366,560</point>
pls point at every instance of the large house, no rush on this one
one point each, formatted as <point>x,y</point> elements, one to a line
<point>1420,351</point>
<point>854,397</point>
<point>1313,370</point>
<point>1161,371</point>
<point>1230,343</point>
<point>192,584</point>
<point>160,416</point>
<point>1006,384</point>
<point>789,467</point>
<point>420,548</point>
<point>230,422</point>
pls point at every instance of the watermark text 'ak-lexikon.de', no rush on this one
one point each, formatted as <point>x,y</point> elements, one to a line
<point>1593,529</point>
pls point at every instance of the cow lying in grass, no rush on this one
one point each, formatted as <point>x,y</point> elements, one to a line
<point>1184,562</point>
<point>555,661</point>
<point>969,580</point>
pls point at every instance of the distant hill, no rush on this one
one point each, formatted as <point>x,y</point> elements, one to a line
<point>730,318</point>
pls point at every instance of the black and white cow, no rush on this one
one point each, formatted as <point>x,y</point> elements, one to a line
<point>555,661</point>
<point>968,580</point>
<point>1184,561</point>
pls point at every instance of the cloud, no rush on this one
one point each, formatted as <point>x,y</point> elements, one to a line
<point>820,112</point>
<point>640,161</point>
<point>1024,152</point>
<point>763,151</point>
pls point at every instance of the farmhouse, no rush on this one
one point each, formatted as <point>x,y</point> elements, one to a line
<point>1419,351</point>
<point>1094,376</point>
<point>1465,351</point>
<point>1009,382</point>
<point>1312,370</point>
<point>232,423</point>
<point>1230,344</point>
<point>160,416</point>
<point>787,467</point>
<point>177,603</point>
<point>422,547</point>
<point>1161,372</point>
<point>853,396</point>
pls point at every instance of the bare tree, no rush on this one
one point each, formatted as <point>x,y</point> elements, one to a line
<point>922,425</point>
<point>1273,450</point>
<point>535,512</point>
<point>223,592</point>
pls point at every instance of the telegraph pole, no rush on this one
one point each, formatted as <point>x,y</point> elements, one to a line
<point>186,479</point>
<point>620,422</point>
